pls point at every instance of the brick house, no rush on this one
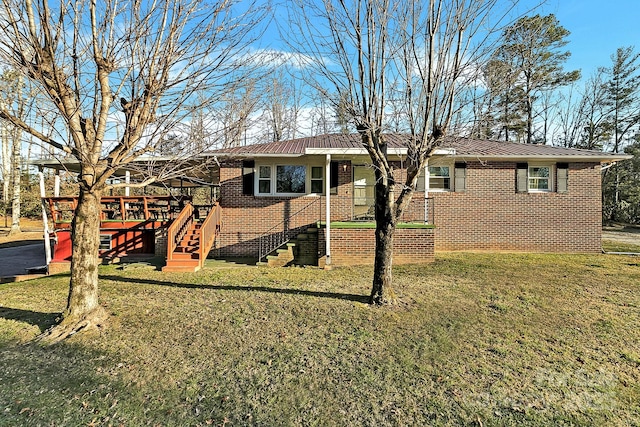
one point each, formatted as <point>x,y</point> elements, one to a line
<point>473,195</point>
<point>310,201</point>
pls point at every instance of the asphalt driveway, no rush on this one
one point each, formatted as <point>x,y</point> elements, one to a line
<point>15,261</point>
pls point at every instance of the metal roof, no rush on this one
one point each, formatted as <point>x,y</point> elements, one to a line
<point>455,147</point>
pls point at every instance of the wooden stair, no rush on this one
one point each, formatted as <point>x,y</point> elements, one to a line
<point>186,255</point>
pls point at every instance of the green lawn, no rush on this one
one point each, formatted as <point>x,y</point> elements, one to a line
<point>478,339</point>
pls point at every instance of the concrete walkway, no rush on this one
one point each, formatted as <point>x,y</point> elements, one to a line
<point>16,260</point>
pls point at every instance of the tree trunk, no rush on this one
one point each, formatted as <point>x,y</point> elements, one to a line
<point>16,175</point>
<point>83,310</point>
<point>6,167</point>
<point>382,291</point>
<point>529,120</point>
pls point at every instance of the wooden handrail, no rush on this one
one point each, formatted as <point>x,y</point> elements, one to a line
<point>209,230</point>
<point>121,206</point>
<point>178,228</point>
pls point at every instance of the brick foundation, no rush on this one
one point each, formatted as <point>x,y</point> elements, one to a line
<point>357,246</point>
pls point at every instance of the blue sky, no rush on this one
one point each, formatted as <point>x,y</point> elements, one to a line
<point>598,28</point>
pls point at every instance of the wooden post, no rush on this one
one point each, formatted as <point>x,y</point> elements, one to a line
<point>45,221</point>
<point>56,184</point>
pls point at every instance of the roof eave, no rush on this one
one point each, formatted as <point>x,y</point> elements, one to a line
<point>401,151</point>
<point>551,158</point>
<point>253,155</point>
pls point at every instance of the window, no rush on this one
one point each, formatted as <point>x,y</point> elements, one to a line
<point>316,179</point>
<point>439,178</point>
<point>291,179</point>
<point>534,178</point>
<point>264,179</point>
<point>540,178</point>
<point>105,242</point>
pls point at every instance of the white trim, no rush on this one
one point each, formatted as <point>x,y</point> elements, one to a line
<point>45,221</point>
<point>327,189</point>
<point>401,151</point>
<point>558,158</point>
<point>274,177</point>
<point>425,172</point>
<point>551,181</point>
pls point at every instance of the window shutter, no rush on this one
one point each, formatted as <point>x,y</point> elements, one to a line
<point>335,170</point>
<point>460,177</point>
<point>522,177</point>
<point>248,176</point>
<point>563,177</point>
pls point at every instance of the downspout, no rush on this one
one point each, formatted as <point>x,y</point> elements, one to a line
<point>426,191</point>
<point>327,190</point>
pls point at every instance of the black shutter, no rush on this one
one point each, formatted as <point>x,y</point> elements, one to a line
<point>335,170</point>
<point>522,177</point>
<point>563,177</point>
<point>460,177</point>
<point>248,177</point>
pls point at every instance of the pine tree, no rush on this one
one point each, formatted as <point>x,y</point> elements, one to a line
<point>532,53</point>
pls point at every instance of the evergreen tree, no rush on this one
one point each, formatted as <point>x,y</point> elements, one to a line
<point>622,106</point>
<point>531,51</point>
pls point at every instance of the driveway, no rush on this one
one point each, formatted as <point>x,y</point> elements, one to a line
<point>630,235</point>
<point>15,261</point>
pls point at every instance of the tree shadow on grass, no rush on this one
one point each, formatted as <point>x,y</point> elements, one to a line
<point>286,291</point>
<point>42,320</point>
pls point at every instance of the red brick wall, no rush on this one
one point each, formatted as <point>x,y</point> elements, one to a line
<point>357,246</point>
<point>247,217</point>
<point>490,215</point>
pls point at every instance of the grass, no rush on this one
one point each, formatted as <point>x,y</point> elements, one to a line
<point>615,246</point>
<point>478,339</point>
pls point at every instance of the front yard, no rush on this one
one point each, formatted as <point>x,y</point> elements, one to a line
<point>478,339</point>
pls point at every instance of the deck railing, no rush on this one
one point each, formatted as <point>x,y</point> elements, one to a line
<point>209,230</point>
<point>119,208</point>
<point>178,229</point>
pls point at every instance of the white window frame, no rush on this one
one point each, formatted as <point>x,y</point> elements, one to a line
<point>423,185</point>
<point>312,179</point>
<point>274,177</point>
<point>268,179</point>
<point>550,187</point>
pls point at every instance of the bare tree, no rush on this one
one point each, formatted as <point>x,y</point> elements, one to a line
<point>282,103</point>
<point>12,98</point>
<point>140,62</point>
<point>238,106</point>
<point>428,51</point>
